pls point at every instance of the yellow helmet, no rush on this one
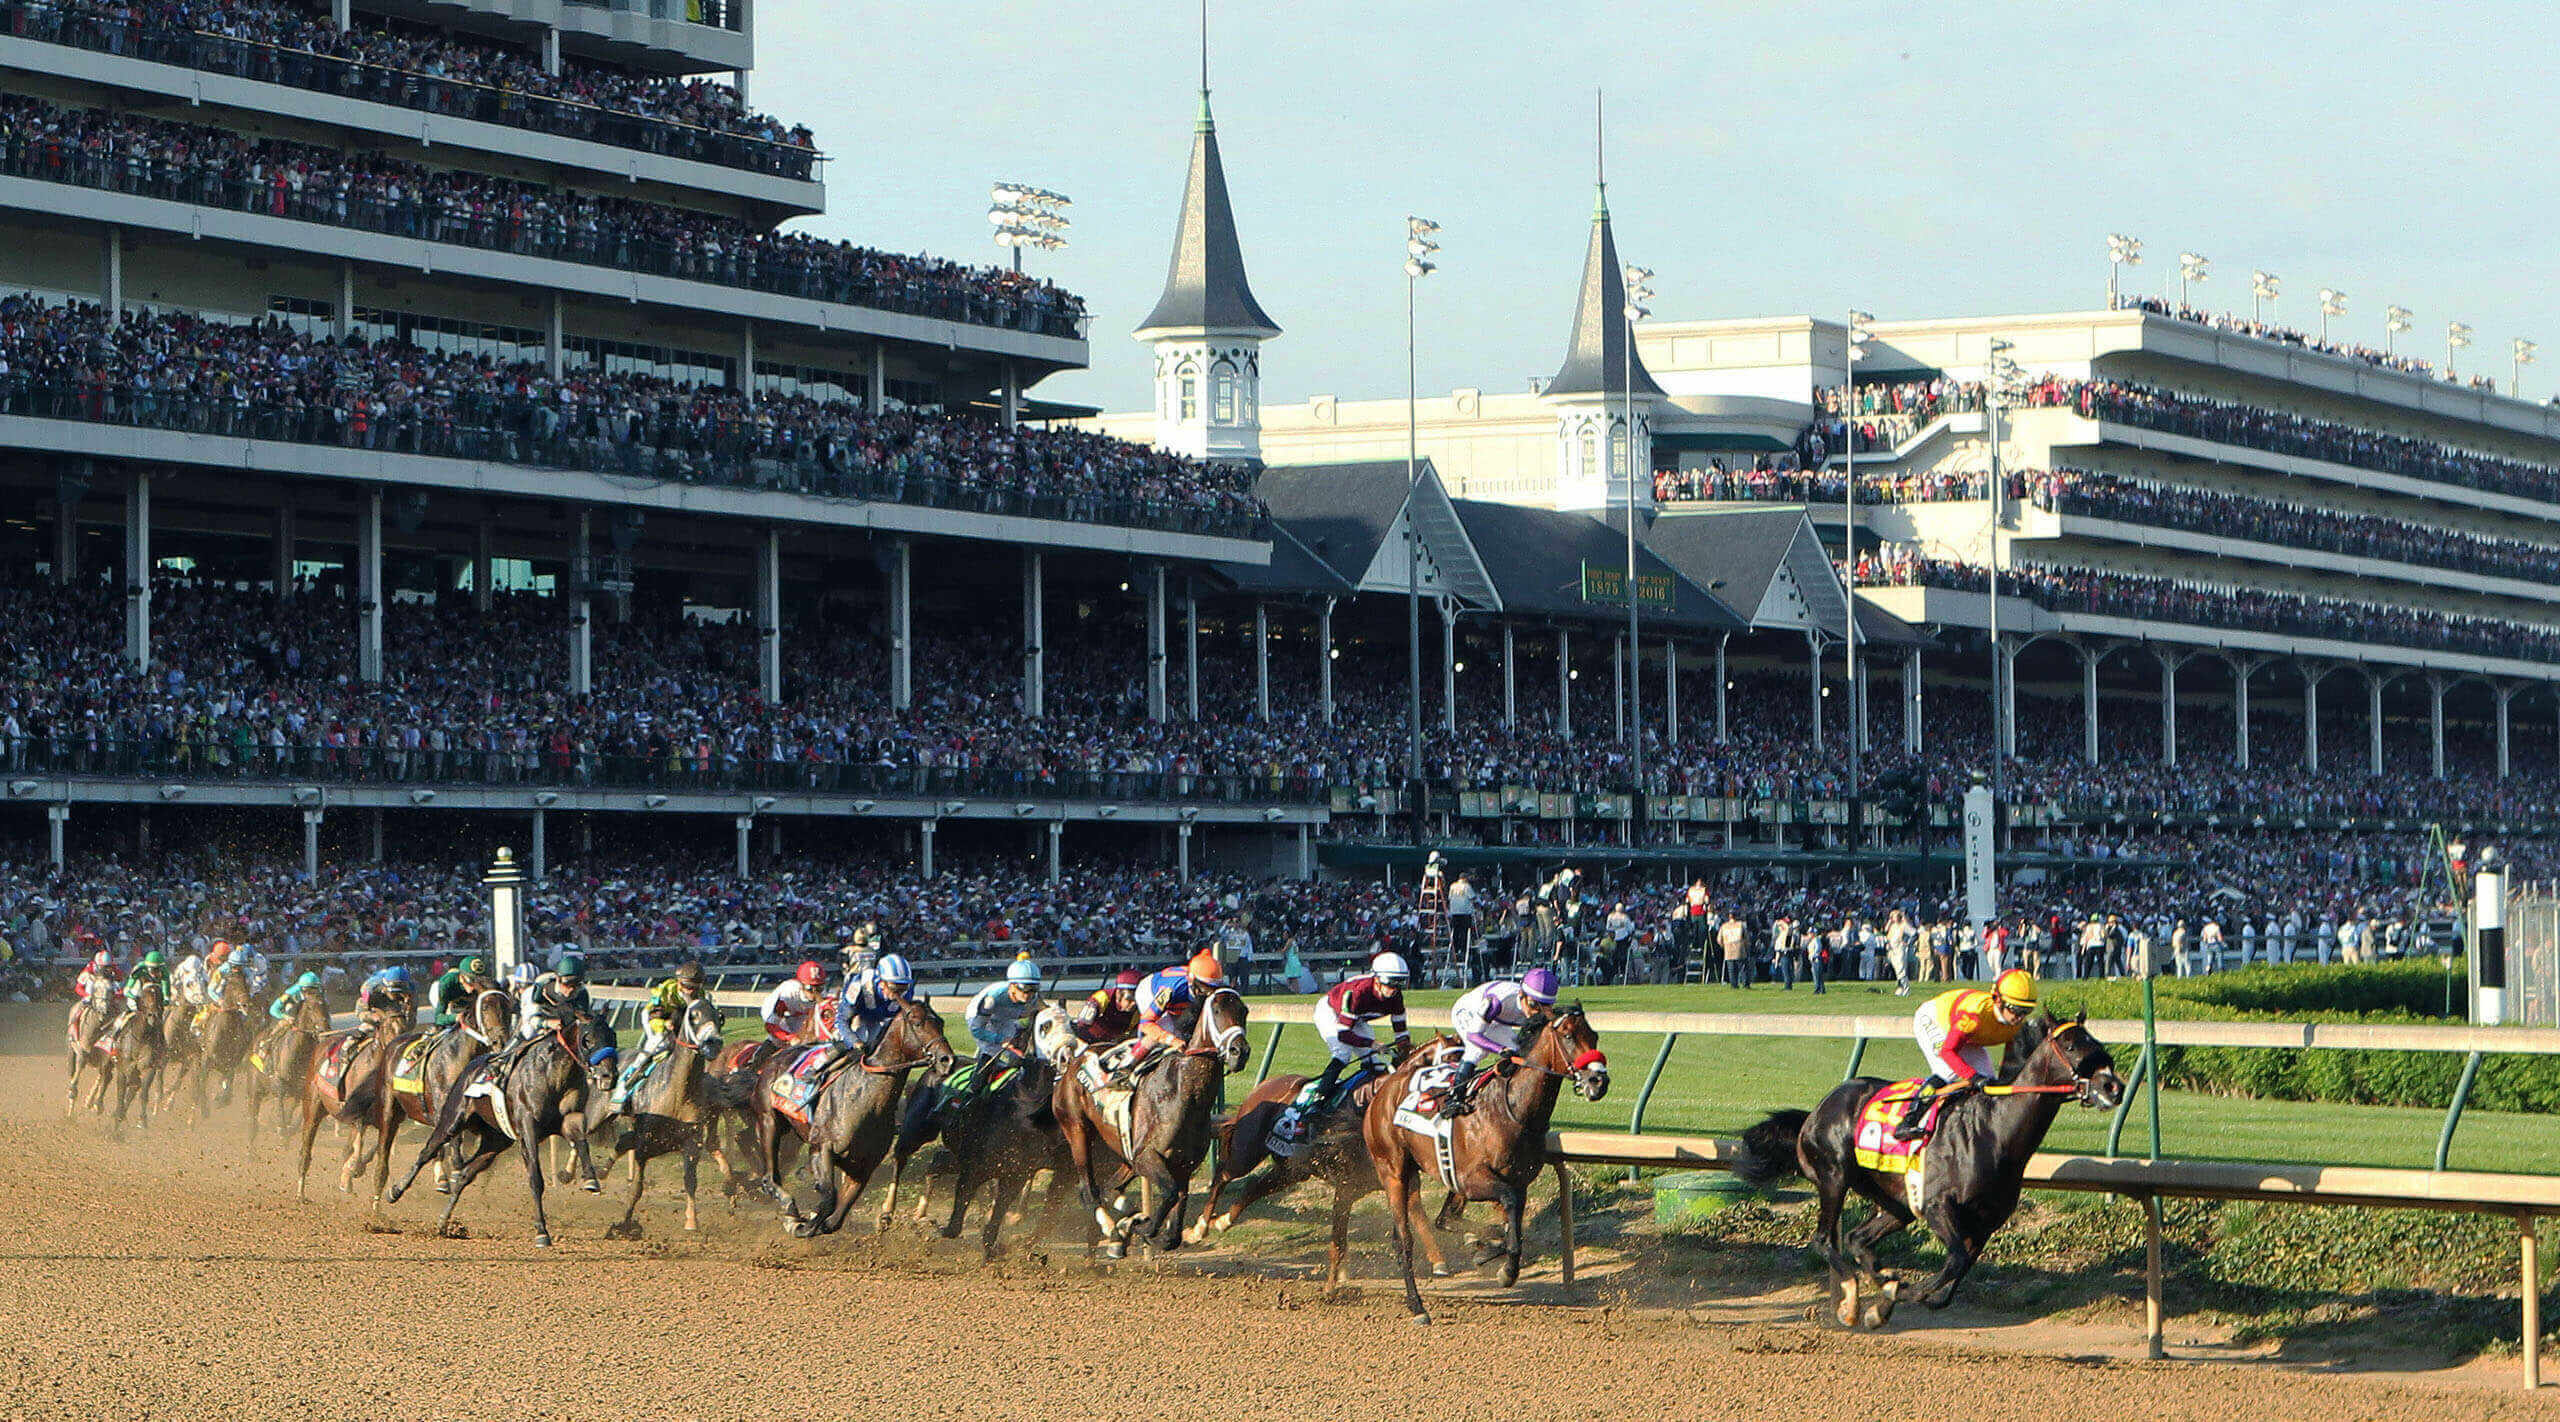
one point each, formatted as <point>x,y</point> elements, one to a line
<point>2016,988</point>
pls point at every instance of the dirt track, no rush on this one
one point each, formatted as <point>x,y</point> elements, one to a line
<point>166,1276</point>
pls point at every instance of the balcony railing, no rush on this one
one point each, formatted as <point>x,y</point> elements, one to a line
<point>139,37</point>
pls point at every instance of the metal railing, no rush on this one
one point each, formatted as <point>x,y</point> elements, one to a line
<point>145,38</point>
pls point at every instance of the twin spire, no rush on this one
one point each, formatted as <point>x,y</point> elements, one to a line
<point>1205,289</point>
<point>1596,358</point>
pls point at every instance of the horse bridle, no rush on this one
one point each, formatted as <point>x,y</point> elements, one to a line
<point>893,1069</point>
<point>1219,1037</point>
<point>2078,1085</point>
<point>1590,1057</point>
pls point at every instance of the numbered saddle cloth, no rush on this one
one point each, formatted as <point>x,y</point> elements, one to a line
<point>488,1082</point>
<point>408,1069</point>
<point>795,1088</point>
<point>1881,1116</point>
<point>333,1061</point>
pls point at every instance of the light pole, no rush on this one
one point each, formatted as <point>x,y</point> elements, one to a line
<point>2191,268</point>
<point>1027,217</point>
<point>2263,288</point>
<point>1418,248</point>
<point>2395,319</point>
<point>2002,378</point>
<point>2457,336</point>
<point>1853,348</point>
<point>2522,351</point>
<point>2122,252</point>
<point>2333,302</point>
<point>1638,293</point>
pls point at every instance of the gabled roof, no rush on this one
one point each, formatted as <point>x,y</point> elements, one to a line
<point>1764,562</point>
<point>1294,570</point>
<point>1536,557</point>
<point>1595,358</point>
<point>1351,516</point>
<point>1205,288</point>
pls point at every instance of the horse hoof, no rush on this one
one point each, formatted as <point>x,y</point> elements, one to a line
<point>450,1230</point>
<point>622,1229</point>
<point>1440,1271</point>
<point>542,1241</point>
<point>1115,1251</point>
<point>1846,1310</point>
<point>592,1187</point>
<point>1423,1319</point>
<point>804,1229</point>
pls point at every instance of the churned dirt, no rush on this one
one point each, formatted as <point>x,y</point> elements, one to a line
<point>172,1275</point>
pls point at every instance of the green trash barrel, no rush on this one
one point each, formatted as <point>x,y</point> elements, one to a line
<point>1695,1194</point>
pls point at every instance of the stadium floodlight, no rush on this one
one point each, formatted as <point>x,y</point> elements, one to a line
<point>420,797</point>
<point>2457,336</point>
<point>1418,247</point>
<point>2395,319</point>
<point>1026,216</point>
<point>1418,250</point>
<point>2192,267</point>
<point>1639,282</point>
<point>2522,351</point>
<point>2263,287</point>
<point>2333,302</point>
<point>2122,252</point>
<point>545,799</point>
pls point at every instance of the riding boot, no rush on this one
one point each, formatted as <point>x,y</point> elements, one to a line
<point>1462,1092</point>
<point>1914,1113</point>
<point>1320,1091</point>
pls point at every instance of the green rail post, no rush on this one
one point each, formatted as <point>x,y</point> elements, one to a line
<point>1644,1097</point>
<point>1857,1056</point>
<point>2151,1054</point>
<point>2124,1108</point>
<point>1270,1050</point>
<point>2453,1113</point>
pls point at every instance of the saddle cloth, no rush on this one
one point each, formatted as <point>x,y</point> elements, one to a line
<point>488,1083</point>
<point>408,1069</point>
<point>795,1088</point>
<point>1875,1144</point>
<point>1297,1120</point>
<point>333,1061</point>
<point>1419,1112</point>
<point>1117,1104</point>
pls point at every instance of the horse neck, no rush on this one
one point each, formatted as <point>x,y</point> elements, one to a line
<point>2019,1120</point>
<point>1530,1099</point>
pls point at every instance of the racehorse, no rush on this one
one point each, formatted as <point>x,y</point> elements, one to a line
<point>1333,1150</point>
<point>1975,1161</point>
<point>436,1058</point>
<point>222,1035</point>
<point>85,1035</point>
<point>676,1109</point>
<point>850,1122</point>
<point>998,1134</point>
<point>349,1083</point>
<point>1169,1116</point>
<point>1497,1147</point>
<point>537,1089</point>
<point>130,1056</point>
<point>280,1061</point>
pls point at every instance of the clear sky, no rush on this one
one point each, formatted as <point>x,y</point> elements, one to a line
<point>1764,159</point>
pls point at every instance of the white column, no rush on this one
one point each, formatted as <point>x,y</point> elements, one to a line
<point>2005,708</point>
<point>2169,709</point>
<point>137,570</point>
<point>1670,692</point>
<point>746,834</point>
<point>1190,651</point>
<point>1813,664</point>
<point>2312,676</point>
<point>111,274</point>
<point>1564,682</point>
<point>1913,699</point>
<point>1182,851</point>
<point>1324,659</point>
<point>484,565</point>
<point>1721,687</point>
<point>1510,682</point>
<point>747,361</point>
<point>369,600</point>
<point>1153,578</point>
<point>541,862</point>
<point>341,12</point>
<point>554,335</point>
<point>2504,694</point>
<point>769,614</point>
<point>1261,660</point>
<point>343,317</point>
<point>1306,852</point>
<point>373,835</point>
<point>902,619</point>
<point>1035,631</point>
<point>57,819</point>
<point>551,53</point>
<point>2089,656</point>
<point>68,489</point>
<point>1057,839</point>
<point>1858,678</point>
<point>924,847</point>
<point>2373,720</point>
<point>2435,724</point>
<point>311,844</point>
<point>1012,396</point>
<point>1448,668</point>
<point>582,678</point>
<point>2241,671</point>
<point>875,391</point>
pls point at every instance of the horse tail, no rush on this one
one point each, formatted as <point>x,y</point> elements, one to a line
<point>1768,1153</point>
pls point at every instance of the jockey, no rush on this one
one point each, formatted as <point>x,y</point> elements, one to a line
<point>189,980</point>
<point>1957,1031</point>
<point>1110,1013</point>
<point>553,998</point>
<point>97,983</point>
<point>998,1011</point>
<point>152,971</point>
<point>458,987</point>
<point>868,1003</point>
<point>385,997</point>
<point>1488,1019</point>
<point>669,1001</point>
<point>1167,1000</point>
<point>247,961</point>
<point>308,985</point>
<point>791,1010</point>
<point>1343,1018</point>
<point>862,951</point>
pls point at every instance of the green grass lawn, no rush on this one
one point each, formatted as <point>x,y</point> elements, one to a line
<point>1719,1085</point>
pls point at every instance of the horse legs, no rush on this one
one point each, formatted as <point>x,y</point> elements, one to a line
<point>628,1227</point>
<point>1962,1250</point>
<point>1400,1183</point>
<point>1514,1205</point>
<point>573,1125</point>
<point>1831,1187</point>
<point>311,1114</point>
<point>1337,1254</point>
<point>692,1169</point>
<point>532,1151</point>
<point>1889,1217</point>
<point>491,1147</point>
<point>1003,1192</point>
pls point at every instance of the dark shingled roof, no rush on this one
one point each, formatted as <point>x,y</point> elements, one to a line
<point>1535,557</point>
<point>1595,359</point>
<point>1742,548</point>
<point>1294,570</point>
<point>1341,512</point>
<point>1206,286</point>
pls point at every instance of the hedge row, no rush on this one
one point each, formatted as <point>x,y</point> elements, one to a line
<point>2412,992</point>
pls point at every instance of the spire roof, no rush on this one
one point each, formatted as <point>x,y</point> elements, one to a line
<point>1595,358</point>
<point>1206,288</point>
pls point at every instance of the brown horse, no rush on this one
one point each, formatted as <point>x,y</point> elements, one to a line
<point>677,1109</point>
<point>130,1057</point>
<point>996,1136</point>
<point>1333,1150</point>
<point>355,1092</point>
<point>537,1089</point>
<point>221,1035</point>
<point>85,1036</point>
<point>1172,1108</point>
<point>1497,1147</point>
<point>850,1122</point>
<point>1976,1162</point>
<point>280,1061</point>
<point>436,1058</point>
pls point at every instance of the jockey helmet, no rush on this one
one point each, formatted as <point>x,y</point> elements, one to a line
<point>221,948</point>
<point>2016,988</point>
<point>220,955</point>
<point>1022,972</point>
<point>307,980</point>
<point>689,975</point>
<point>894,972</point>
<point>1205,968</point>
<point>1126,980</point>
<point>1539,985</point>
<point>155,959</point>
<point>810,975</point>
<point>1389,969</point>
<point>399,978</point>
<point>572,968</point>
<point>99,960</point>
<point>475,967</point>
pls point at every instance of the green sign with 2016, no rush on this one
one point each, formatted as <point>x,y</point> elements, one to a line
<point>1603,584</point>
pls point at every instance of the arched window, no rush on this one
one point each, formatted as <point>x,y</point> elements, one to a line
<point>1222,393</point>
<point>1590,451</point>
<point>1189,380</point>
<point>1617,449</point>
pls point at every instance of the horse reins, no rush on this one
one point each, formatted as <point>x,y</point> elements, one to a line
<point>2073,1087</point>
<point>1218,1036</point>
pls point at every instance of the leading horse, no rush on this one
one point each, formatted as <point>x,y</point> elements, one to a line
<point>1976,1161</point>
<point>1168,1122</point>
<point>535,1090</point>
<point>1496,1148</point>
<point>676,1109</point>
<point>849,1125</point>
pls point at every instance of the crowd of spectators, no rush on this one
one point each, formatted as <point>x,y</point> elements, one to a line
<point>2287,336</point>
<point>268,380</point>
<point>218,167</point>
<point>443,72</point>
<point>1884,413</point>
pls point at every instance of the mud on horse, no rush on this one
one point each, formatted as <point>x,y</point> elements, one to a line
<point>850,1122</point>
<point>542,1089</point>
<point>996,1136</point>
<point>1171,1112</point>
<point>676,1109</point>
<point>443,1057</point>
<point>1976,1162</point>
<point>1496,1148</point>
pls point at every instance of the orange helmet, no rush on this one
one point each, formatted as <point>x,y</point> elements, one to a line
<point>1205,968</point>
<point>221,953</point>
